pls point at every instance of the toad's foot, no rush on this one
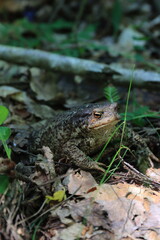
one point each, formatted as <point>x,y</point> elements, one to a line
<point>92,165</point>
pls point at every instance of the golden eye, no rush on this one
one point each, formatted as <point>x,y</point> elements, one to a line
<point>98,114</point>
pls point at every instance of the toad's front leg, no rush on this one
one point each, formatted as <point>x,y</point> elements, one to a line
<point>80,159</point>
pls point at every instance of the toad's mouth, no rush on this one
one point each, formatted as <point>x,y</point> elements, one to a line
<point>102,124</point>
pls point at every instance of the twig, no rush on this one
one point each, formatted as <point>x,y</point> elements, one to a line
<point>140,175</point>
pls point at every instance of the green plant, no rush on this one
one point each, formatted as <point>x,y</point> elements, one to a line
<point>4,182</point>
<point>5,132</point>
<point>110,171</point>
<point>111,93</point>
<point>4,135</point>
<point>117,14</point>
<point>24,33</point>
<point>29,34</point>
<point>138,116</point>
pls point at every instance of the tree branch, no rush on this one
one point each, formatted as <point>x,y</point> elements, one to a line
<point>51,61</point>
<point>60,63</point>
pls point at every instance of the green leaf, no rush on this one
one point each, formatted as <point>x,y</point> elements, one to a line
<point>117,13</point>
<point>111,93</point>
<point>5,133</point>
<point>87,33</point>
<point>138,115</point>
<point>3,114</point>
<point>61,23</point>
<point>4,182</point>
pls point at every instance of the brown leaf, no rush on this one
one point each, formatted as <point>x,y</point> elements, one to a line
<point>82,180</point>
<point>154,174</point>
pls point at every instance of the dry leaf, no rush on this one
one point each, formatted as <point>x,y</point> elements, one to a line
<point>82,181</point>
<point>154,174</point>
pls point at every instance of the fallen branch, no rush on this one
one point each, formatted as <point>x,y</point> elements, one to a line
<point>60,63</point>
<point>51,61</point>
<point>140,77</point>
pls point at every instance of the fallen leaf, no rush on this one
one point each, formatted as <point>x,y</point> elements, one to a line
<point>82,181</point>
<point>39,110</point>
<point>57,196</point>
<point>154,174</point>
<point>72,232</point>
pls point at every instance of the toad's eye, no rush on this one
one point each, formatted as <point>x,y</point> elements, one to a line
<point>98,114</point>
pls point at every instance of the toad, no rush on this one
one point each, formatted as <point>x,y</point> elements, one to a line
<point>80,133</point>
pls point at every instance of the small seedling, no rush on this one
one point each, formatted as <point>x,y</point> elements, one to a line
<point>111,93</point>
